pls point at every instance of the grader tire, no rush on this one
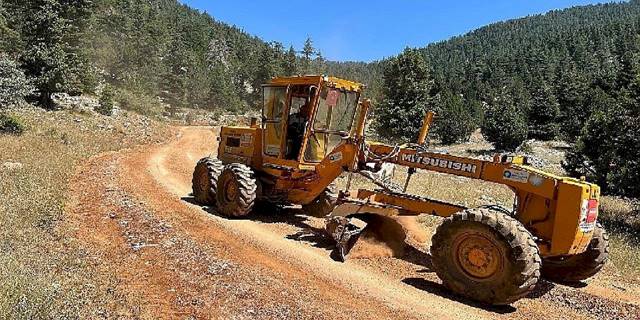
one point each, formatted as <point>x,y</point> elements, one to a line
<point>205,180</point>
<point>236,192</point>
<point>486,255</point>
<point>581,266</point>
<point>323,204</point>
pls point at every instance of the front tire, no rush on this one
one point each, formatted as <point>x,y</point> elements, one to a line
<point>236,191</point>
<point>486,255</point>
<point>205,180</point>
<point>581,266</point>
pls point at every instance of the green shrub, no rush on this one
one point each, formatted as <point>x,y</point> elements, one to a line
<point>607,151</point>
<point>14,86</point>
<point>11,124</point>
<point>140,103</point>
<point>456,118</point>
<point>106,101</point>
<point>505,124</point>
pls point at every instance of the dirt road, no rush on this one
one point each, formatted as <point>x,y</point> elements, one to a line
<point>170,258</point>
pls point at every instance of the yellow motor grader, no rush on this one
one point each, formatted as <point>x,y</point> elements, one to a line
<point>313,131</point>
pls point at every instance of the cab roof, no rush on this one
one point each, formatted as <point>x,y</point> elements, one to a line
<point>319,80</point>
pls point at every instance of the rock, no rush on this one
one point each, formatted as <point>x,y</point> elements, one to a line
<point>116,111</point>
<point>486,198</point>
<point>83,104</point>
<point>12,166</point>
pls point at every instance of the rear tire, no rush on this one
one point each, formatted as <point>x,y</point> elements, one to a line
<point>486,255</point>
<point>323,204</point>
<point>236,191</point>
<point>581,266</point>
<point>205,180</point>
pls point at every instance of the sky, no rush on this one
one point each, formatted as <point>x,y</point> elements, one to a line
<point>367,30</point>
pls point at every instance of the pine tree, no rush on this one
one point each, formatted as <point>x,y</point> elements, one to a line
<point>14,86</point>
<point>291,62</point>
<point>319,64</point>
<point>175,91</point>
<point>505,122</point>
<point>407,97</point>
<point>629,69</point>
<point>50,31</point>
<point>455,118</point>
<point>106,101</point>
<point>571,91</point>
<point>8,37</point>
<point>221,94</point>
<point>607,151</point>
<point>308,51</point>
<point>544,114</point>
<point>271,59</point>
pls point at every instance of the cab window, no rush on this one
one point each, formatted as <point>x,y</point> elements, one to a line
<point>334,119</point>
<point>274,100</point>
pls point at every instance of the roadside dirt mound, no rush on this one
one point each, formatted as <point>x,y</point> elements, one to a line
<point>382,237</point>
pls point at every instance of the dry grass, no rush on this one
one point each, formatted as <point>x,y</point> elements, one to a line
<point>621,215</point>
<point>43,273</point>
<point>621,218</point>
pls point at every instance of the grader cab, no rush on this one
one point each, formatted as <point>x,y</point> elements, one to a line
<point>313,131</point>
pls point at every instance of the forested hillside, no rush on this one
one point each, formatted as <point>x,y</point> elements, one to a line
<point>559,66</point>
<point>571,74</point>
<point>144,49</point>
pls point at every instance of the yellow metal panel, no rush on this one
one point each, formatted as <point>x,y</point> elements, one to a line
<point>302,80</point>
<point>318,80</point>
<point>521,178</point>
<point>567,237</point>
<point>310,184</point>
<point>411,205</point>
<point>344,84</point>
<point>237,144</point>
<point>438,162</point>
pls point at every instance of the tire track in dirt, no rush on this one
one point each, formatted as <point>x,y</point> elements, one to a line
<point>173,259</point>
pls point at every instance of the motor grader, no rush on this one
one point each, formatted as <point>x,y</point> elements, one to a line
<point>313,131</point>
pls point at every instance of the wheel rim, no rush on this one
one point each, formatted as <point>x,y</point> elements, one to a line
<point>231,191</point>
<point>478,255</point>
<point>203,180</point>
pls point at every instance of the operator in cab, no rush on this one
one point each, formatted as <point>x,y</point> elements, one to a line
<point>295,130</point>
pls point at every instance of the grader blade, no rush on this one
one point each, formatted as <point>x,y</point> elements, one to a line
<point>345,235</point>
<point>378,233</point>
